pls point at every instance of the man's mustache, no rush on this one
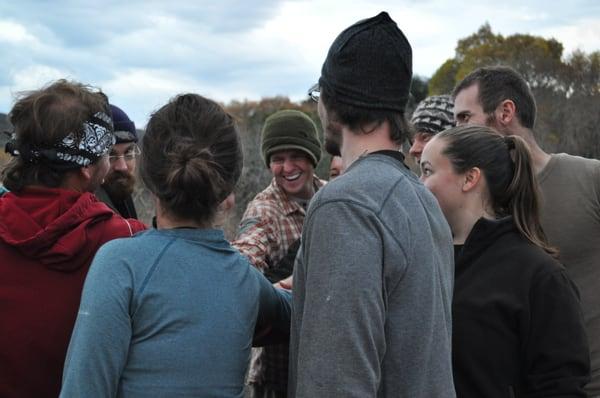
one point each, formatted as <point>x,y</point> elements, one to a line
<point>119,184</point>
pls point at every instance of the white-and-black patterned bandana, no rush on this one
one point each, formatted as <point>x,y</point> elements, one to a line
<point>97,137</point>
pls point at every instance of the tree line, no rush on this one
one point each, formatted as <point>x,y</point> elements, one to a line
<point>567,90</point>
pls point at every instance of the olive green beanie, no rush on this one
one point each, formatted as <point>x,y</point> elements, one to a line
<point>290,129</point>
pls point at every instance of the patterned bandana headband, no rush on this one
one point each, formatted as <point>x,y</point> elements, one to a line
<point>97,139</point>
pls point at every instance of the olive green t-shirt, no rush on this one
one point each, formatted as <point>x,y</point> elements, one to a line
<point>570,187</point>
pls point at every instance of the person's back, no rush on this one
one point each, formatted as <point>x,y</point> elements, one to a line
<point>570,216</point>
<point>49,233</point>
<point>411,329</point>
<point>183,309</point>
<point>45,255</point>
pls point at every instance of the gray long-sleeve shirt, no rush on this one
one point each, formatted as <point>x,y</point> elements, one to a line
<point>371,309</point>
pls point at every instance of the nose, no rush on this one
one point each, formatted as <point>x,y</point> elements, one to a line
<point>120,164</point>
<point>416,149</point>
<point>288,165</point>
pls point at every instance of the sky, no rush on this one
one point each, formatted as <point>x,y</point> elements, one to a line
<point>142,53</point>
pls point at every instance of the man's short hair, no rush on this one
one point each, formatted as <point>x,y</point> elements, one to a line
<point>50,126</point>
<point>499,83</point>
<point>356,117</point>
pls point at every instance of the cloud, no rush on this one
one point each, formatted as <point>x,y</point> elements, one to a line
<point>141,91</point>
<point>143,52</point>
<point>16,34</point>
<point>36,76</point>
<point>583,35</point>
<point>29,78</point>
<point>82,24</point>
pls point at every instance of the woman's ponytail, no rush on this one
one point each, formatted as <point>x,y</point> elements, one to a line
<point>507,166</point>
<point>522,195</point>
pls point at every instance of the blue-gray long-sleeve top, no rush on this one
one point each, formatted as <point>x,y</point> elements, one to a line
<point>169,313</point>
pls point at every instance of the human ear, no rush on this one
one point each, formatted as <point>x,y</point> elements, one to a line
<point>228,203</point>
<point>505,112</point>
<point>471,179</point>
<point>86,173</point>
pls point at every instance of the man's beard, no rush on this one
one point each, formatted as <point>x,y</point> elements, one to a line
<point>333,138</point>
<point>491,122</point>
<point>119,185</point>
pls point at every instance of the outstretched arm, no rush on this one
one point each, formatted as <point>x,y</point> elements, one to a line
<point>255,239</point>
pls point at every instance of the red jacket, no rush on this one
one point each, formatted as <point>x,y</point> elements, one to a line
<point>48,238</point>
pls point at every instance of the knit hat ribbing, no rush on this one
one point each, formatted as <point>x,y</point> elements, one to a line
<point>124,127</point>
<point>290,129</point>
<point>434,114</point>
<point>369,65</point>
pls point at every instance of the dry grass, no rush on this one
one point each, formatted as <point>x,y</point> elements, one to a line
<point>4,158</point>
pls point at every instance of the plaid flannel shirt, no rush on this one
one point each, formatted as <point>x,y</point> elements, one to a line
<point>270,225</point>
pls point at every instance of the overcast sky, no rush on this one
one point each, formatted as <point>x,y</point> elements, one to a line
<point>141,53</point>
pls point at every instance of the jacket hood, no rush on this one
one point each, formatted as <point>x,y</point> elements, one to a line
<point>51,225</point>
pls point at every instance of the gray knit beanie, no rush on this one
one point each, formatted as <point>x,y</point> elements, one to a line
<point>290,129</point>
<point>434,114</point>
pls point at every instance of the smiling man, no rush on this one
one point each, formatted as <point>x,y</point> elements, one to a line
<point>272,224</point>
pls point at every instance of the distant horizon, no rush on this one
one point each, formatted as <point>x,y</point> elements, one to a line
<point>4,113</point>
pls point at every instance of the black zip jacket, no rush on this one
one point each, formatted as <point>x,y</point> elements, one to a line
<point>518,328</point>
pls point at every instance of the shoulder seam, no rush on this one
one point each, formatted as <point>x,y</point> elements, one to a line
<point>376,213</point>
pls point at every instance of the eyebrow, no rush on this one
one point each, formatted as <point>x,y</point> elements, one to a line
<point>424,162</point>
<point>128,148</point>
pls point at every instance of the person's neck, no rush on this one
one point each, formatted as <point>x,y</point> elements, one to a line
<point>355,145</point>
<point>539,158</point>
<point>75,182</point>
<point>463,222</point>
<point>461,228</point>
<point>166,221</point>
<point>302,198</point>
